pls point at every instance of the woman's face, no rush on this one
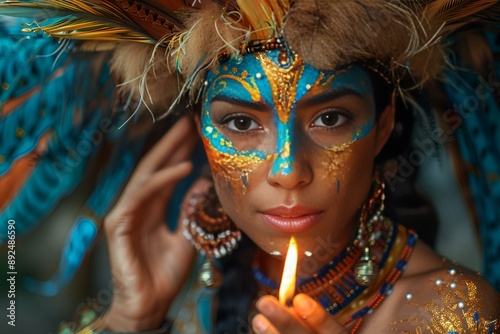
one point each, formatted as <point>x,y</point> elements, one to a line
<point>291,150</point>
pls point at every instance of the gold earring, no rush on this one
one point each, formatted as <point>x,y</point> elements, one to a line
<point>366,269</point>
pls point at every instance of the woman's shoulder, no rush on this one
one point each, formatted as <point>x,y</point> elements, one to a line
<point>441,297</point>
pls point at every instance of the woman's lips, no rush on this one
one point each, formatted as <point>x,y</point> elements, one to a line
<point>294,219</point>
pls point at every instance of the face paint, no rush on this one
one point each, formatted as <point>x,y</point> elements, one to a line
<point>233,164</point>
<point>277,81</point>
<point>283,79</point>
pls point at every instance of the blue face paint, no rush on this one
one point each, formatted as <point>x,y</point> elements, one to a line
<point>277,80</point>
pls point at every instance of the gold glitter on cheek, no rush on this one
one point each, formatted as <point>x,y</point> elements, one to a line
<point>334,159</point>
<point>235,169</point>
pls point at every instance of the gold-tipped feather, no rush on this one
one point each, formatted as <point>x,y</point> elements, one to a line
<point>85,30</point>
<point>106,20</point>
<point>265,17</point>
<point>453,14</point>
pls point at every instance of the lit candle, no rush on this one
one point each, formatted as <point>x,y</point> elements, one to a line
<point>287,287</point>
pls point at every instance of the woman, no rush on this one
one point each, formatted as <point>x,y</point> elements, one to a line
<point>295,101</point>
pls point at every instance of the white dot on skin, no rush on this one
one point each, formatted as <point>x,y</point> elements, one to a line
<point>258,75</point>
<point>275,252</point>
<point>206,83</point>
<point>453,272</point>
<point>308,86</point>
<point>461,305</point>
<point>308,253</point>
<point>409,296</point>
<point>438,282</point>
<point>453,285</point>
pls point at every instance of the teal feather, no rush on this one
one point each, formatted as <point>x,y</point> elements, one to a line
<point>86,227</point>
<point>27,67</point>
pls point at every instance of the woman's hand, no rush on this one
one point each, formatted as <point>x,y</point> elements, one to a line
<point>305,316</point>
<point>149,263</point>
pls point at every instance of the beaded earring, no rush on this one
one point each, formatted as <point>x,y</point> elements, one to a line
<point>366,269</point>
<point>209,228</point>
<point>212,233</point>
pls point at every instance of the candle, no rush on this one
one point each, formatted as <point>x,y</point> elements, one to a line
<point>287,287</point>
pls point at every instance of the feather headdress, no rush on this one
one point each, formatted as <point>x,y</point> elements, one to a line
<point>161,48</point>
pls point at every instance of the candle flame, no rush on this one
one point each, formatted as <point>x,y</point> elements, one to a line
<point>287,287</point>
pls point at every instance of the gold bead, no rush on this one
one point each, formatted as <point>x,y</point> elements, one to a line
<point>209,275</point>
<point>365,269</point>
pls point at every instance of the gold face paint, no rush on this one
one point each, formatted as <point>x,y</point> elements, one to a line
<point>235,169</point>
<point>250,86</point>
<point>334,159</point>
<point>283,82</point>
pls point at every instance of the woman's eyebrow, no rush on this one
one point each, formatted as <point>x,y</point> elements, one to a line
<point>331,95</point>
<point>257,106</point>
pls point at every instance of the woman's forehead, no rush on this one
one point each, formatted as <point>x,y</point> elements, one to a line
<point>265,77</point>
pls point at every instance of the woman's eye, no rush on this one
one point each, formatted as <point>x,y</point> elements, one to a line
<point>241,124</point>
<point>329,119</point>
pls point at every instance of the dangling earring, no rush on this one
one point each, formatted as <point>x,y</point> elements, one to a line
<point>211,232</point>
<point>366,268</point>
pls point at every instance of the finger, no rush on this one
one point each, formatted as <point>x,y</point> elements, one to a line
<point>182,152</point>
<point>182,132</point>
<point>163,180</point>
<point>281,318</point>
<point>167,152</point>
<point>315,316</point>
<point>261,325</point>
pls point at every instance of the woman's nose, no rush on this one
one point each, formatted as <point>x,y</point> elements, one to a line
<point>290,168</point>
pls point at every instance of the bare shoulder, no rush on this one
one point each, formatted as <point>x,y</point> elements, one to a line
<point>441,297</point>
